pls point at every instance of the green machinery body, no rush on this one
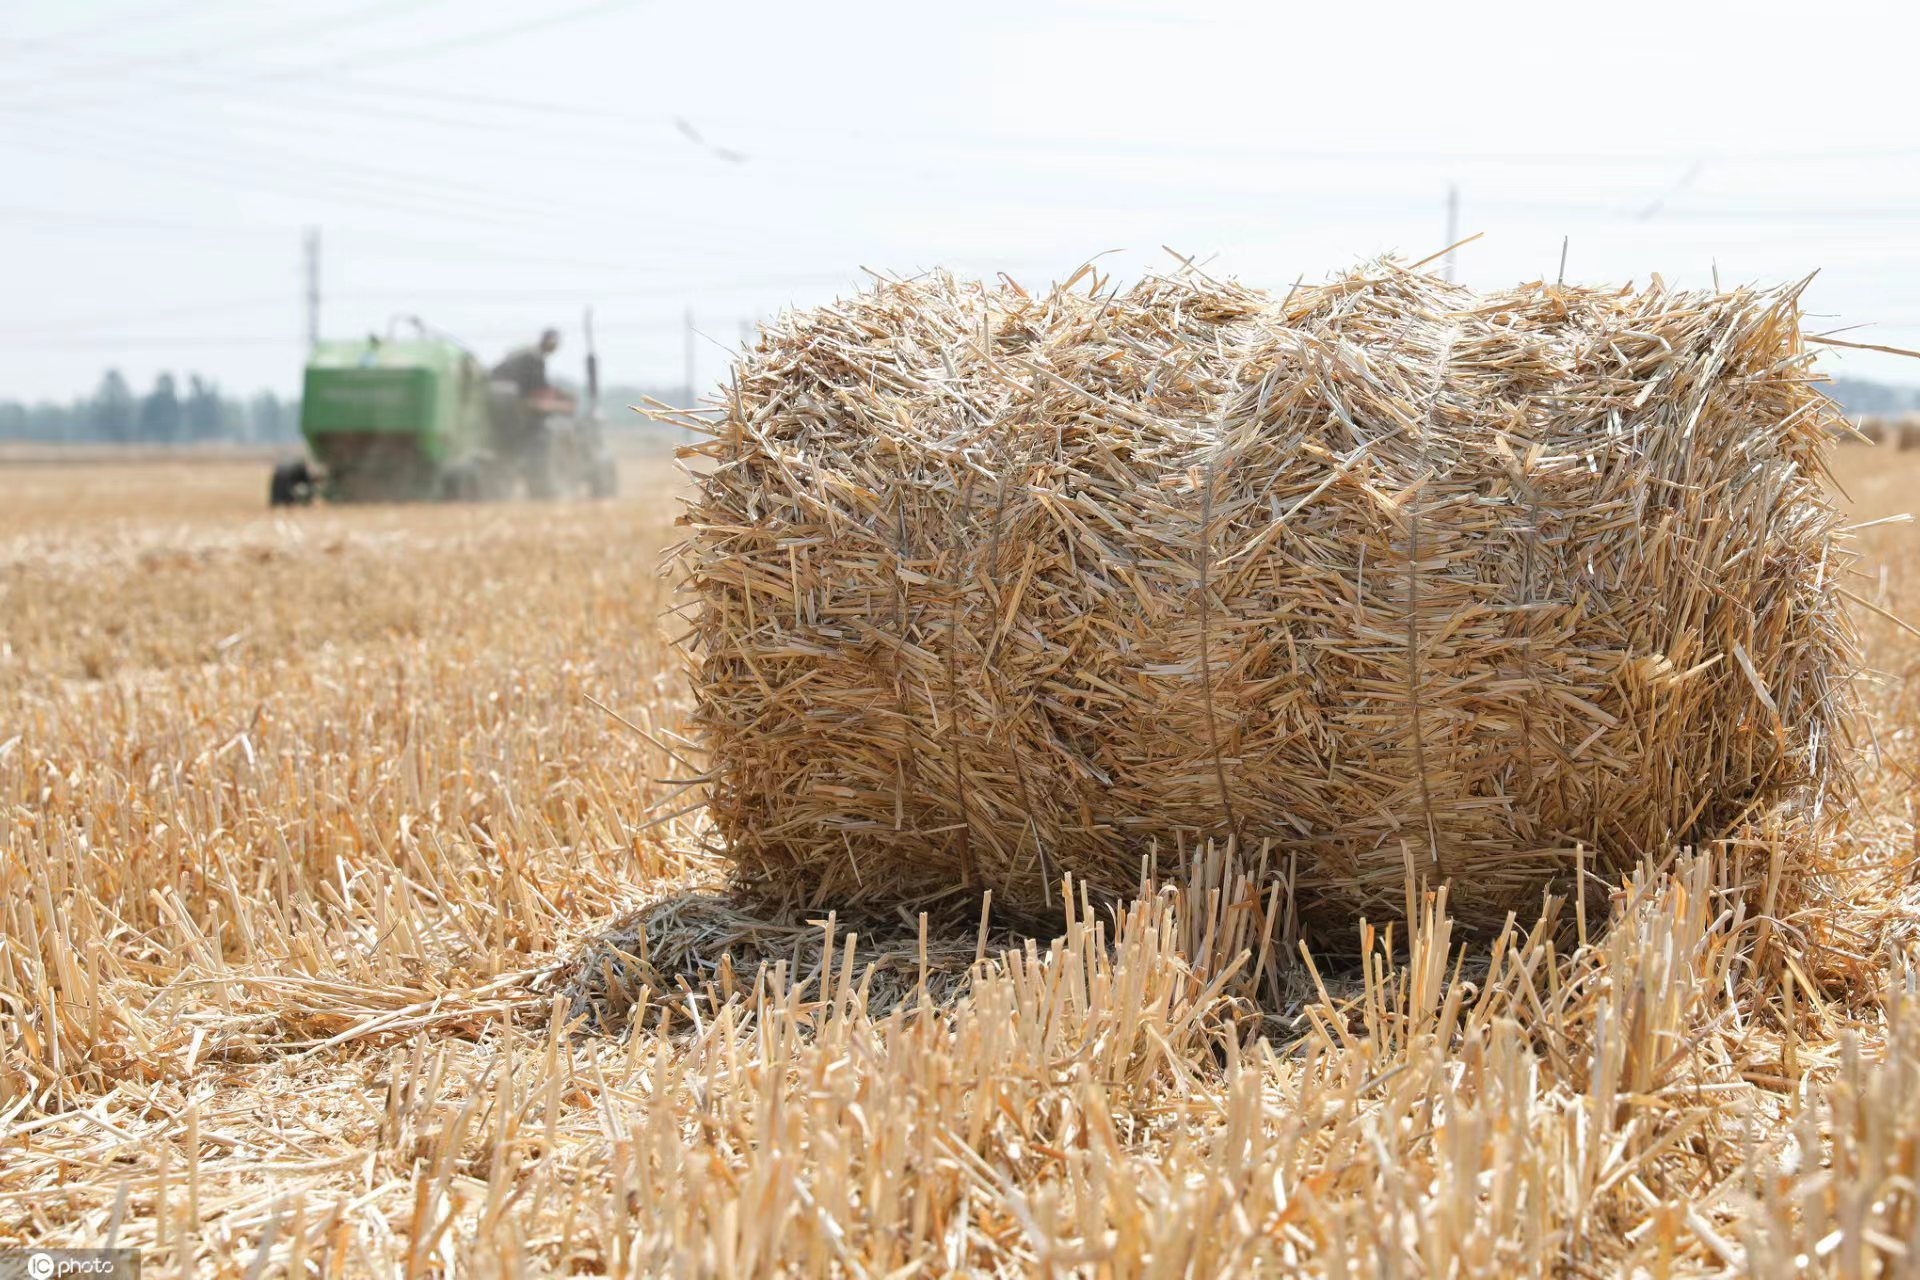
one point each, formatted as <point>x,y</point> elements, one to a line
<point>394,421</point>
<point>389,420</point>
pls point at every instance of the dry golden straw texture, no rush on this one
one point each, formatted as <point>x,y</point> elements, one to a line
<point>1393,578</point>
<point>323,865</point>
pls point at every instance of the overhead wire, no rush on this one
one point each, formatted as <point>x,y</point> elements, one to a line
<point>388,185</point>
<point>93,327</point>
<point>392,189</point>
<point>278,170</point>
<point>364,58</point>
<point>140,17</point>
<point>1051,147</point>
<point>204,307</point>
<point>388,245</point>
<point>174,58</point>
<point>292,337</point>
<point>380,243</point>
<point>489,203</point>
<point>423,196</point>
<point>345,182</point>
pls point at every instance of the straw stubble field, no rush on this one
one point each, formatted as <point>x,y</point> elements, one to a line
<point>357,922</point>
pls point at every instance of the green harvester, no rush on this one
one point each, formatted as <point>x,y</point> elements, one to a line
<point>417,420</point>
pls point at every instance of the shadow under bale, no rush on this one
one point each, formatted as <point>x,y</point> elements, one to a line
<point>699,948</point>
<point>1230,916</point>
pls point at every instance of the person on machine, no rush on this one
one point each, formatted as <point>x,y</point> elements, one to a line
<point>525,371</point>
<point>526,368</point>
<point>524,401</point>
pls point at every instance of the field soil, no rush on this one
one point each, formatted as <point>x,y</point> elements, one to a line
<point>358,918</point>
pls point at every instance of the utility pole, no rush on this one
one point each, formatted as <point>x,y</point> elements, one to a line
<point>313,286</point>
<point>689,335</point>
<point>1453,229</point>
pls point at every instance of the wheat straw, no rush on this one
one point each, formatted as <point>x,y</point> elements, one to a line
<point>992,586</point>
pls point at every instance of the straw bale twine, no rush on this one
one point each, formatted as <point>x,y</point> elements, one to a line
<point>1384,575</point>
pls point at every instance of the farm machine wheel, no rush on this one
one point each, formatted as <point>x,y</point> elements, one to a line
<point>292,485</point>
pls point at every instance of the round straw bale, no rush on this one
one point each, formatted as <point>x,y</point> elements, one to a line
<point>1393,579</point>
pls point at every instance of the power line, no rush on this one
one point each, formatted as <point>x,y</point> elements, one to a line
<point>328,89</point>
<point>380,10</point>
<point>294,340</point>
<point>434,48</point>
<point>273,144</point>
<point>407,192</point>
<point>408,186</point>
<point>1051,147</point>
<point>439,197</point>
<point>1015,148</point>
<point>1833,213</point>
<point>1021,148</point>
<point>272,137</point>
<point>458,194</point>
<point>211,307</point>
<point>417,247</point>
<point>1000,145</point>
<point>326,92</point>
<point>375,58</point>
<point>92,329</point>
<point>114,24</point>
<point>379,191</point>
<point>89,220</point>
<point>673,290</point>
<point>1048,148</point>
<point>626,135</point>
<point>489,100</point>
<point>394,189</point>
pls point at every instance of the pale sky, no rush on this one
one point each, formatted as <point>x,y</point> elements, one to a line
<point>497,167</point>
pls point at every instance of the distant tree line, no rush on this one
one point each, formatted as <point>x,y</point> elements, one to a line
<point>195,410</point>
<point>170,413</point>
<point>1858,396</point>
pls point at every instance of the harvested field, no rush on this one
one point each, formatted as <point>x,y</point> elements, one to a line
<point>344,934</point>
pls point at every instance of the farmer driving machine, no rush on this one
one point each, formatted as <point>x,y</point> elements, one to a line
<point>416,420</point>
